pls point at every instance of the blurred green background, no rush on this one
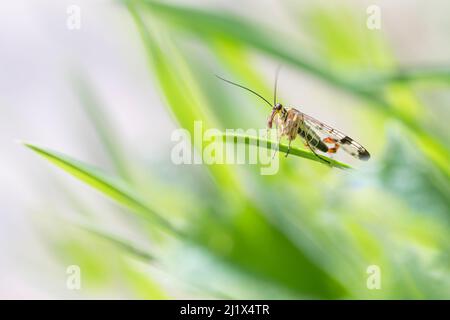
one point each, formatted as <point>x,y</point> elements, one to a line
<point>155,230</point>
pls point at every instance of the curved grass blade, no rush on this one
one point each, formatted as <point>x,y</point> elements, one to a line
<point>269,144</point>
<point>111,186</point>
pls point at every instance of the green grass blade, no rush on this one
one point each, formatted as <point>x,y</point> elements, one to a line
<point>269,144</point>
<point>120,243</point>
<point>417,74</point>
<point>219,25</point>
<point>182,93</point>
<point>111,186</point>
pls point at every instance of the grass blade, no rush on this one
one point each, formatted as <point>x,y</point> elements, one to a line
<point>218,25</point>
<point>120,243</point>
<point>269,144</point>
<point>103,125</point>
<point>111,186</point>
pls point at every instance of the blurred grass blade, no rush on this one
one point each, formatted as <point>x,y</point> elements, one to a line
<point>120,243</point>
<point>269,144</point>
<point>102,123</point>
<point>417,74</point>
<point>113,187</point>
<point>220,25</point>
<point>182,92</point>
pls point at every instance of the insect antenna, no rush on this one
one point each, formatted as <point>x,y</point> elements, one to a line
<point>275,85</point>
<point>248,89</point>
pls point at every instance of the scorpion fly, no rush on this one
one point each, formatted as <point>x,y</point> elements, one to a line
<point>316,135</point>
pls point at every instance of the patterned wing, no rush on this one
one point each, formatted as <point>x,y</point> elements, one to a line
<point>341,140</point>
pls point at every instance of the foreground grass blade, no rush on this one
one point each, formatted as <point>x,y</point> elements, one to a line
<point>268,144</point>
<point>96,178</point>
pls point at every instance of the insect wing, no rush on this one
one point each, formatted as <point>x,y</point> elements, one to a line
<point>334,136</point>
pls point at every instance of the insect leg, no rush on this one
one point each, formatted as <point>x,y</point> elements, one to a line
<point>289,149</point>
<point>313,151</point>
<point>278,146</point>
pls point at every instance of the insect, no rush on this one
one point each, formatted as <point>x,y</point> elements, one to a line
<point>316,135</point>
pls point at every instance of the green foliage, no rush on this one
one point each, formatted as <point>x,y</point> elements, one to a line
<point>96,178</point>
<point>310,231</point>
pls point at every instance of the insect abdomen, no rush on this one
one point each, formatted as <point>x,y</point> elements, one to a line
<point>313,140</point>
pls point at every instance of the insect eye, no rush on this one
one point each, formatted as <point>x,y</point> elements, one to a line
<point>278,106</point>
